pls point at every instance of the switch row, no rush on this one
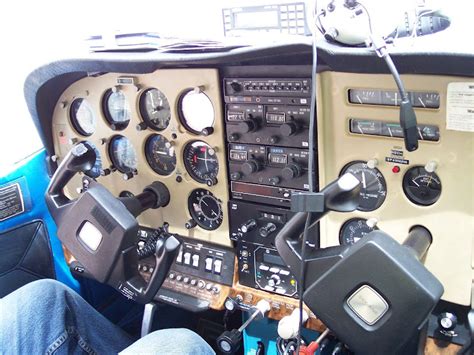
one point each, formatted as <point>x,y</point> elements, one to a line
<point>187,258</point>
<point>213,265</point>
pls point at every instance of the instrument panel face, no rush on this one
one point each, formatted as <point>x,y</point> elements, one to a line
<point>149,128</point>
<point>431,186</point>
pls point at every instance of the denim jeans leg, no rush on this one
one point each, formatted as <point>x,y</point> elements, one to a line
<point>47,317</point>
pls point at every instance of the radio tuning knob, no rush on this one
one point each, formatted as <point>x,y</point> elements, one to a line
<point>267,229</point>
<point>236,87</point>
<point>247,126</point>
<point>248,226</point>
<point>274,180</point>
<point>288,129</point>
<point>234,137</point>
<point>251,166</point>
<point>273,139</point>
<point>292,171</point>
<point>235,175</point>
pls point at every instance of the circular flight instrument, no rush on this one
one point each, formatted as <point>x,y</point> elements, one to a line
<point>122,154</point>
<point>196,112</point>
<point>160,154</point>
<point>353,230</point>
<point>116,109</point>
<point>95,171</point>
<point>421,187</point>
<point>205,209</point>
<point>155,109</point>
<point>201,162</point>
<point>82,117</point>
<point>374,188</point>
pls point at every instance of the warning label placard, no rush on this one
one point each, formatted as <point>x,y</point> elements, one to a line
<point>460,107</point>
<point>11,201</point>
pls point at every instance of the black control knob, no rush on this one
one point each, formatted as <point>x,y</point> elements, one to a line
<point>273,139</point>
<point>247,126</point>
<point>190,224</point>
<point>233,137</point>
<point>248,226</point>
<point>274,180</point>
<point>236,87</point>
<point>267,229</point>
<point>128,175</point>
<point>288,129</point>
<point>447,321</point>
<point>207,131</point>
<point>251,166</point>
<point>141,126</point>
<point>229,341</point>
<point>292,171</point>
<point>211,181</point>
<point>105,172</point>
<point>236,175</point>
<point>274,280</point>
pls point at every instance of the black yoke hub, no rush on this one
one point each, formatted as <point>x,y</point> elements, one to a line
<point>100,230</point>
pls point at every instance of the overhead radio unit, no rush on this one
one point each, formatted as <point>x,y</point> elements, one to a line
<point>278,18</point>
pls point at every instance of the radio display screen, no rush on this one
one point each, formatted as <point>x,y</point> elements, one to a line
<point>273,259</point>
<point>268,18</point>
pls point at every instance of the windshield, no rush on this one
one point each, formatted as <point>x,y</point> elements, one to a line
<point>48,30</point>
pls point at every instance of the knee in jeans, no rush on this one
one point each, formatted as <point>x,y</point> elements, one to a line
<point>45,288</point>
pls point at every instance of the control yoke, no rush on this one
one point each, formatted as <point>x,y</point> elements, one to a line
<point>374,294</point>
<point>100,230</point>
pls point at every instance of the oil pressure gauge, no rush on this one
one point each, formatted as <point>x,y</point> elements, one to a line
<point>421,187</point>
<point>374,188</point>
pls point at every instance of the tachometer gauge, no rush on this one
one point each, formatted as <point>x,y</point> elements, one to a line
<point>374,188</point>
<point>116,109</point>
<point>95,171</point>
<point>82,117</point>
<point>201,162</point>
<point>160,154</point>
<point>205,209</point>
<point>421,187</point>
<point>122,154</point>
<point>155,109</point>
<point>354,230</point>
<point>196,112</point>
